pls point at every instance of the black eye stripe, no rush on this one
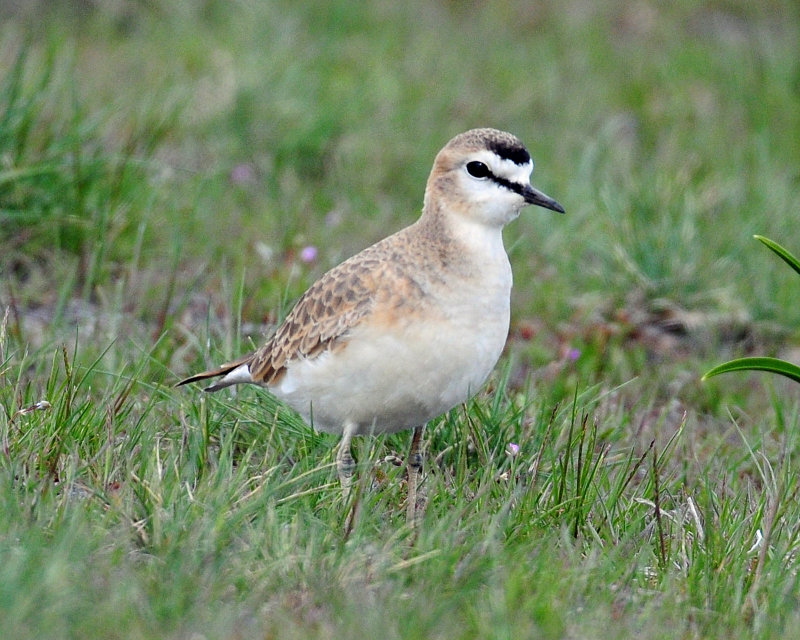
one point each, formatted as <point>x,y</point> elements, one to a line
<point>479,170</point>
<point>503,182</point>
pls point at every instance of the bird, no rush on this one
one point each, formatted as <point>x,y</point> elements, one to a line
<point>411,326</point>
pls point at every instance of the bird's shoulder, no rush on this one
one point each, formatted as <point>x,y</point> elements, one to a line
<point>378,280</point>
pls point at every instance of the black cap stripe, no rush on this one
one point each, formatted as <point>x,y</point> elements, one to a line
<point>509,151</point>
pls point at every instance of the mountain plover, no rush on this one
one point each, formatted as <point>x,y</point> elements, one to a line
<point>413,325</point>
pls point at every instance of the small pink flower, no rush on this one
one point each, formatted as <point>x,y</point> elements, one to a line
<point>512,449</point>
<point>243,173</point>
<point>308,254</point>
<point>573,354</point>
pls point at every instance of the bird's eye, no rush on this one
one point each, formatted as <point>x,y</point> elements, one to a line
<point>477,169</point>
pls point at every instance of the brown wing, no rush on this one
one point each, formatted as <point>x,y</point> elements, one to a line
<point>322,316</point>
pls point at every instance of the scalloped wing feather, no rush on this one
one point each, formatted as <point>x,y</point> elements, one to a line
<point>321,318</point>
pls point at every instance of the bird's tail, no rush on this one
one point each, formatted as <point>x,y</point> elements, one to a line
<point>234,372</point>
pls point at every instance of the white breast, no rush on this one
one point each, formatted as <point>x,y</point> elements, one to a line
<point>390,377</point>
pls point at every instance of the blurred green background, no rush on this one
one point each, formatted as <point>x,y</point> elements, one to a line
<point>671,134</point>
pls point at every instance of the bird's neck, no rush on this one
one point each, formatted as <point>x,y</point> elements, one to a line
<point>463,234</point>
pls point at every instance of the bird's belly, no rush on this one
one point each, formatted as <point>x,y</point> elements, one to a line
<point>389,378</point>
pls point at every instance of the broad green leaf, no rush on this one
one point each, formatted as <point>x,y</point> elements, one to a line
<point>787,257</point>
<point>773,365</point>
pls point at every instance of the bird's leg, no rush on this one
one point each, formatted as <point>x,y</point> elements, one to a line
<point>345,467</point>
<point>414,468</point>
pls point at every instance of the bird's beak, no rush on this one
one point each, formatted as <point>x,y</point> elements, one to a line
<point>534,196</point>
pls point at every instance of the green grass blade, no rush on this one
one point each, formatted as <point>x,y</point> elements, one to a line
<point>773,365</point>
<point>785,255</point>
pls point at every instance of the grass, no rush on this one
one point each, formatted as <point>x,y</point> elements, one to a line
<point>163,165</point>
